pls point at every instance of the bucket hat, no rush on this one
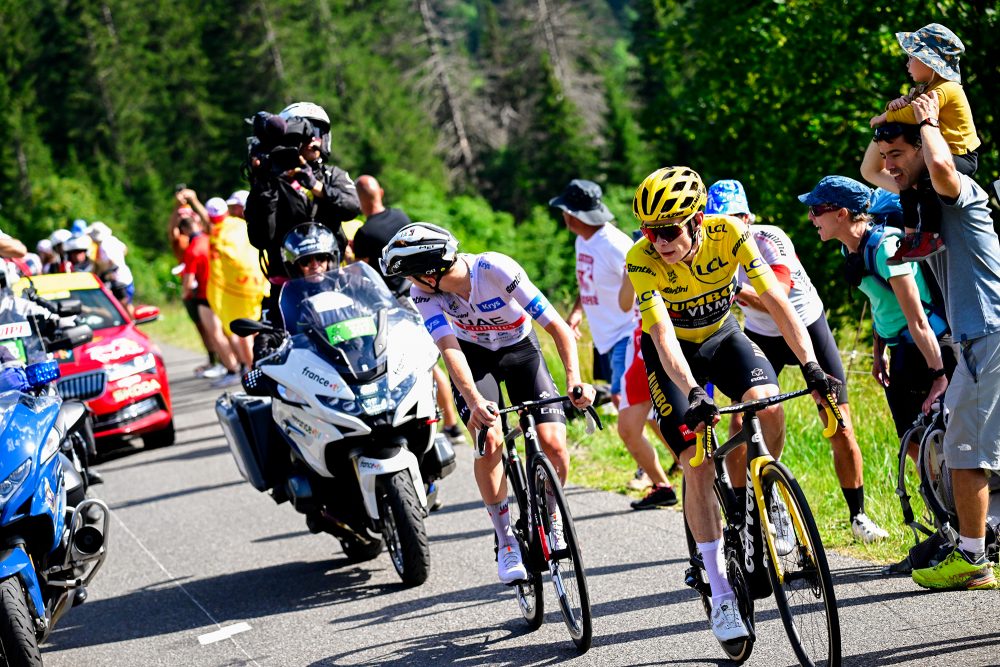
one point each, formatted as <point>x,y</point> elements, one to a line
<point>935,46</point>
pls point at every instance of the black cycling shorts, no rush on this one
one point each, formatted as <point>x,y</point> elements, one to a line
<point>521,367</point>
<point>191,306</point>
<point>909,380</point>
<point>777,351</point>
<point>727,359</point>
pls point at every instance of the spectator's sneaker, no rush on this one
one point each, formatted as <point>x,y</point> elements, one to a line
<point>640,481</point>
<point>781,524</point>
<point>228,380</point>
<point>926,245</point>
<point>454,434</point>
<point>957,572</point>
<point>867,531</point>
<point>509,565</point>
<point>905,245</point>
<point>661,495</point>
<point>727,625</point>
<point>214,372</point>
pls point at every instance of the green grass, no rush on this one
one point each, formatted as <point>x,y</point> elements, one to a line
<point>601,461</point>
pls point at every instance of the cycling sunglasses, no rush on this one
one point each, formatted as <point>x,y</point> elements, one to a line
<point>819,210</point>
<point>666,233</point>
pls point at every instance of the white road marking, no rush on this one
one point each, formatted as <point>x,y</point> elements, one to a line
<point>224,633</point>
<point>174,581</point>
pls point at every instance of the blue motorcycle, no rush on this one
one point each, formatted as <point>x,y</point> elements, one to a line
<point>49,549</point>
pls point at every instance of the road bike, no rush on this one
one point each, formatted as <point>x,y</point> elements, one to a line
<point>544,546</point>
<point>774,530</point>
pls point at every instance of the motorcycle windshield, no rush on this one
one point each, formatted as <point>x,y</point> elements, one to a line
<point>18,337</point>
<point>343,312</point>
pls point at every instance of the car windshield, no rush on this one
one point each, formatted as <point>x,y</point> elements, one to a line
<point>98,312</point>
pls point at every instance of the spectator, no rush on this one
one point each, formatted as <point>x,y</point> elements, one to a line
<point>600,270</point>
<point>59,264</point>
<point>969,275</point>
<point>111,265</point>
<point>237,204</point>
<point>194,282</point>
<point>236,284</point>
<point>45,253</point>
<point>186,204</point>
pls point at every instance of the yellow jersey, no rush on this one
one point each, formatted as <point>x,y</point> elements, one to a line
<point>697,297</point>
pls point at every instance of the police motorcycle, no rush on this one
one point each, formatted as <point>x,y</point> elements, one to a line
<point>52,538</point>
<point>339,418</point>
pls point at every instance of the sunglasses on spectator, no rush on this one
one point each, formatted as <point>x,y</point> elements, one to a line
<point>819,210</point>
<point>888,132</point>
<point>312,259</point>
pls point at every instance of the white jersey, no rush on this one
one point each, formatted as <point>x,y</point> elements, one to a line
<point>600,266</point>
<point>496,314</point>
<point>776,248</point>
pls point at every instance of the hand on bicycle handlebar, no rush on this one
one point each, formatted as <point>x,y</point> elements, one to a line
<point>701,410</point>
<point>825,388</point>
<point>582,395</point>
<point>483,414</point>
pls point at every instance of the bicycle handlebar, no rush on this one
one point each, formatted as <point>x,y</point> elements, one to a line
<point>705,442</point>
<point>530,405</point>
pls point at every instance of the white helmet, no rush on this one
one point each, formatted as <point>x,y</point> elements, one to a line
<point>60,236</point>
<point>315,114</point>
<point>419,249</point>
<point>81,242</point>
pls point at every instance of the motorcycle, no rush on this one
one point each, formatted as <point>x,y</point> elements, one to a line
<point>339,418</point>
<point>50,549</point>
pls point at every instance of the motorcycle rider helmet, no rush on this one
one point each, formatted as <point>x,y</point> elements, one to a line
<point>316,115</point>
<point>307,240</point>
<point>419,249</point>
<point>667,194</point>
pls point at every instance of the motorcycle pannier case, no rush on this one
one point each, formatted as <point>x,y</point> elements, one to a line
<point>255,443</point>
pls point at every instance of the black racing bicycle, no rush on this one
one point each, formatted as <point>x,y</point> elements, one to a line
<point>774,531</point>
<point>544,546</point>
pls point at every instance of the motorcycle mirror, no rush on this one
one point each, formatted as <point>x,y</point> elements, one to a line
<point>244,327</point>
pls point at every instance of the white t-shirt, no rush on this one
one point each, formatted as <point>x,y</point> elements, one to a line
<point>776,248</point>
<point>496,314</point>
<point>112,251</point>
<point>600,265</point>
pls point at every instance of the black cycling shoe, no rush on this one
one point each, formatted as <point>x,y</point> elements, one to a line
<point>660,495</point>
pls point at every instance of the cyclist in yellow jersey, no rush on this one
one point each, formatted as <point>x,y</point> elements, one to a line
<point>685,275</point>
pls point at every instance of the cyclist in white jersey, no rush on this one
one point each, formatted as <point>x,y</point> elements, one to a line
<point>729,198</point>
<point>477,308</point>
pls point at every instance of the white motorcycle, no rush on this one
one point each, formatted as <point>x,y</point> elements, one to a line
<point>339,419</point>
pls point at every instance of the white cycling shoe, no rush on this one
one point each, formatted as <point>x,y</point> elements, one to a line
<point>867,531</point>
<point>727,625</point>
<point>509,565</point>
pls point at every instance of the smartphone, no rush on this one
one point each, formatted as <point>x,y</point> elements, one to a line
<point>179,187</point>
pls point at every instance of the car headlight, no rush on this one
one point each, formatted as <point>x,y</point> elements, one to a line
<point>13,482</point>
<point>144,363</point>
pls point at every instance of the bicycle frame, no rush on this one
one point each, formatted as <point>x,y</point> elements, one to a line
<point>757,457</point>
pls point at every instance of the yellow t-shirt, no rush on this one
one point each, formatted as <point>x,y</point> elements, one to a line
<point>234,269</point>
<point>955,117</point>
<point>697,298</point>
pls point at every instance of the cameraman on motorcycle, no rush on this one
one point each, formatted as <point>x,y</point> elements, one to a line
<point>291,184</point>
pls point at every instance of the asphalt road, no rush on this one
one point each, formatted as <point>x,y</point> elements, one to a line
<point>203,570</point>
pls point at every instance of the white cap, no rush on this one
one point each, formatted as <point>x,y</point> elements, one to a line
<point>216,207</point>
<point>60,236</point>
<point>44,245</point>
<point>99,231</point>
<point>238,198</point>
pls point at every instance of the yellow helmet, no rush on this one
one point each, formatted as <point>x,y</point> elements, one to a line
<point>670,192</point>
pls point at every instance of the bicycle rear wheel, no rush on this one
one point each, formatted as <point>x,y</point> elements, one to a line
<point>563,554</point>
<point>800,576</point>
<point>530,599</point>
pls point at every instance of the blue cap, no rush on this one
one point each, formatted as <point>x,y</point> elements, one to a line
<point>79,226</point>
<point>727,198</point>
<point>839,191</point>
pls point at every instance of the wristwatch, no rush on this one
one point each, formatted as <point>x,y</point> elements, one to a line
<point>933,122</point>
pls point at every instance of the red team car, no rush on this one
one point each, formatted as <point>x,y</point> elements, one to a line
<point>119,374</point>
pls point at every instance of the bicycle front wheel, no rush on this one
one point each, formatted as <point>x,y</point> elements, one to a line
<point>562,553</point>
<point>800,576</point>
<point>529,596</point>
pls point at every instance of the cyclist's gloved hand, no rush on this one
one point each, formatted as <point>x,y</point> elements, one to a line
<point>819,381</point>
<point>701,409</point>
<point>305,177</point>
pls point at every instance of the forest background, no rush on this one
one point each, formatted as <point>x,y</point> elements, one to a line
<point>472,113</point>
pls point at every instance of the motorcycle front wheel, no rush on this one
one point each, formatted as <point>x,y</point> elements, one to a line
<point>403,527</point>
<point>18,645</point>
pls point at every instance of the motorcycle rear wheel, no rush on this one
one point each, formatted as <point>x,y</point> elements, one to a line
<point>403,528</point>
<point>18,645</point>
